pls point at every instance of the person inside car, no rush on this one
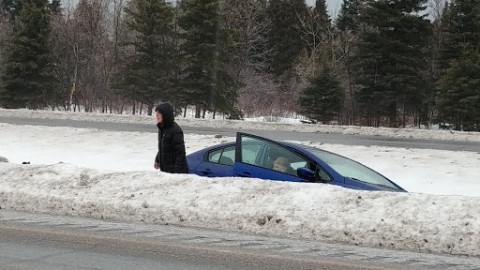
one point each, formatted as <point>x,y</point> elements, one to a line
<point>281,164</point>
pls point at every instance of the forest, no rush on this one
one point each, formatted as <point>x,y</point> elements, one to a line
<point>389,63</point>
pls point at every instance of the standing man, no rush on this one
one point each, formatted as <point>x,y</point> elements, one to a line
<point>171,146</point>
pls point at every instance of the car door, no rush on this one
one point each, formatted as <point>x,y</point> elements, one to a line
<point>217,162</point>
<point>255,157</point>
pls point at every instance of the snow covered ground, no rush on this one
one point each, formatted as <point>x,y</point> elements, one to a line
<point>101,174</point>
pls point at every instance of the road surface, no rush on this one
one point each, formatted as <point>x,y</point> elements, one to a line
<point>45,242</point>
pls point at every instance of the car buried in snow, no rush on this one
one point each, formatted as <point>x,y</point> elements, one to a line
<point>257,157</point>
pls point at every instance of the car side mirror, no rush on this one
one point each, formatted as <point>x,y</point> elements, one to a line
<point>306,173</point>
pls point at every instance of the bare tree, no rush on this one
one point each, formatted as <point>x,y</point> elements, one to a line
<point>345,43</point>
<point>89,41</point>
<point>116,34</point>
<point>257,94</point>
<point>64,49</point>
<point>435,8</point>
<point>319,41</point>
<point>248,21</point>
<point>79,37</point>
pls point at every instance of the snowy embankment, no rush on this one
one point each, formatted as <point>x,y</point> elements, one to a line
<point>445,224</point>
<point>101,174</point>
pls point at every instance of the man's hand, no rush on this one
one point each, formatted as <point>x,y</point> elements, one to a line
<point>156,165</point>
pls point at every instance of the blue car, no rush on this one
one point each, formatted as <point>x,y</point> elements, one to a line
<point>258,157</point>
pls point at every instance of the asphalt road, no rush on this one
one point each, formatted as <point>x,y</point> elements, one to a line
<point>45,242</point>
<point>276,135</point>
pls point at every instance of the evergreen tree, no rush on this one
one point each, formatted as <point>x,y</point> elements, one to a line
<point>146,74</point>
<point>458,101</point>
<point>285,37</point>
<point>457,98</point>
<point>322,99</point>
<point>322,25</point>
<point>30,76</point>
<point>206,50</point>
<point>347,36</point>
<point>461,31</point>
<point>349,17</point>
<point>444,52</point>
<point>249,26</point>
<point>55,6</point>
<point>391,57</point>
<point>12,7</point>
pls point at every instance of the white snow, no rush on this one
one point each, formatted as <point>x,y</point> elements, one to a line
<point>103,174</point>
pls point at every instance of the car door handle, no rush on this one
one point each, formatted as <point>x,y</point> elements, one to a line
<point>244,174</point>
<point>206,172</point>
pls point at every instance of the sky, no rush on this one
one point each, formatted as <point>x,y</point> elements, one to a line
<point>106,174</point>
<point>333,6</point>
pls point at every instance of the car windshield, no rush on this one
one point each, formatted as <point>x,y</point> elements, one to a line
<point>352,169</point>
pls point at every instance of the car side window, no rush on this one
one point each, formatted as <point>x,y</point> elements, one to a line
<point>224,156</point>
<point>271,156</point>
<point>281,159</point>
<point>323,175</point>
<point>251,151</point>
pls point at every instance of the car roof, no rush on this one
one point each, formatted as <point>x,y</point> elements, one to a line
<point>288,144</point>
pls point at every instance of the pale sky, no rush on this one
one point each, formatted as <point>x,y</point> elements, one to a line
<point>109,175</point>
<point>333,6</point>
